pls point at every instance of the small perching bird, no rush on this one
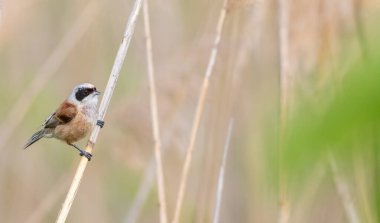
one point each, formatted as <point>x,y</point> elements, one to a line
<point>73,120</point>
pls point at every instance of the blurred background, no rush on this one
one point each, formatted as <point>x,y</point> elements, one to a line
<point>319,132</point>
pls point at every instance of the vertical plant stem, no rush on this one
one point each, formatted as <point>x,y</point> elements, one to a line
<point>198,113</point>
<point>147,181</point>
<point>142,194</point>
<point>343,192</point>
<point>376,172</point>
<point>218,200</point>
<point>154,113</point>
<point>283,26</point>
<point>1,12</point>
<point>359,26</point>
<point>119,60</point>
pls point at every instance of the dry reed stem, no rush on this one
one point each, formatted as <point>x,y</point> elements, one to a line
<point>283,26</point>
<point>20,108</point>
<point>142,194</point>
<point>147,182</point>
<point>362,188</point>
<point>343,192</point>
<point>198,113</point>
<point>144,188</point>
<point>154,113</point>
<point>1,12</point>
<point>119,60</point>
<point>307,196</point>
<point>360,28</point>
<point>218,200</point>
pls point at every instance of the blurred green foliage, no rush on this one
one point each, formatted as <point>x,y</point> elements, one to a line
<point>354,110</point>
<point>345,125</point>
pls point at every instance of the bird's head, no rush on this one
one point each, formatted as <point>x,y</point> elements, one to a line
<point>84,95</point>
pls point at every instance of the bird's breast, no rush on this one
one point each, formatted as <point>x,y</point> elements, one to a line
<point>90,112</point>
<point>74,130</point>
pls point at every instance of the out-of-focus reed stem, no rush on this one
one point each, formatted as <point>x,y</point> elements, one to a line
<point>142,194</point>
<point>119,60</point>
<point>154,113</point>
<point>1,12</point>
<point>343,191</point>
<point>219,190</point>
<point>283,26</point>
<point>198,113</point>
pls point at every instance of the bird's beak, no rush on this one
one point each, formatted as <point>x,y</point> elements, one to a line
<point>97,92</point>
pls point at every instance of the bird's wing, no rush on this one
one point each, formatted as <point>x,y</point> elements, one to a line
<point>64,114</point>
<point>51,121</point>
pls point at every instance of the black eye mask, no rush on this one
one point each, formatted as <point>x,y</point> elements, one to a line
<point>83,92</point>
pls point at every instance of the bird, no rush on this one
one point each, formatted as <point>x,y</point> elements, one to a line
<point>73,120</point>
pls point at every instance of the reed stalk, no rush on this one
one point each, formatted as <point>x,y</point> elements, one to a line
<point>154,114</point>
<point>198,113</point>
<point>119,60</point>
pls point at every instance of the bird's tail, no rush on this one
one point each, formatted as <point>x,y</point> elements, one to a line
<point>35,137</point>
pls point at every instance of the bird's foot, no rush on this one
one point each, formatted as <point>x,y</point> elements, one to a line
<point>100,123</point>
<point>86,154</point>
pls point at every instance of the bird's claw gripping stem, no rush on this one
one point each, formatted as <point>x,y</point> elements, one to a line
<point>100,123</point>
<point>86,154</point>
